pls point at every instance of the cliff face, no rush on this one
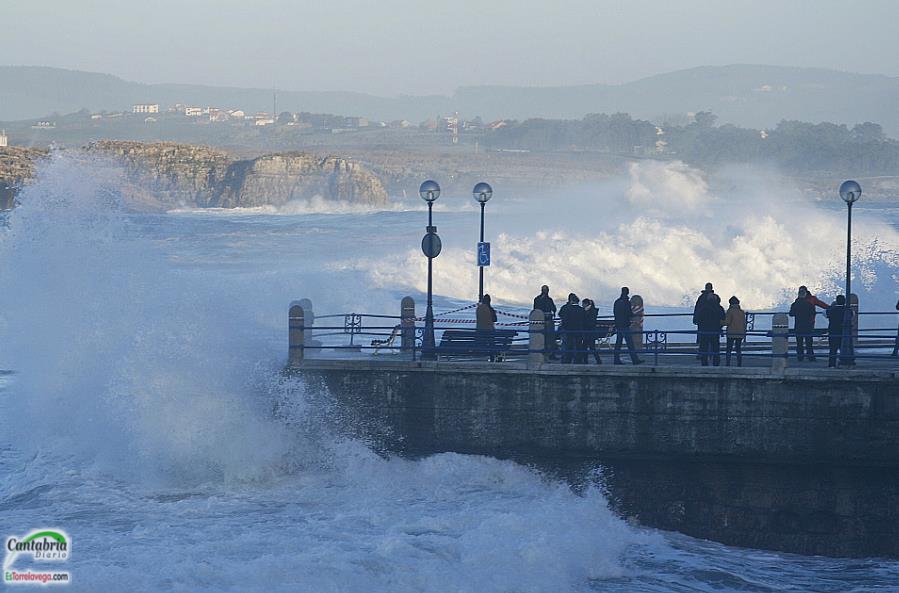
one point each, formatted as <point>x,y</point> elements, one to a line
<point>177,175</point>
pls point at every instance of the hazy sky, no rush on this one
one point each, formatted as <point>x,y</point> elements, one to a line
<point>392,47</point>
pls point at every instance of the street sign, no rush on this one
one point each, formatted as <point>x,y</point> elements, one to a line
<point>483,254</point>
<point>430,245</point>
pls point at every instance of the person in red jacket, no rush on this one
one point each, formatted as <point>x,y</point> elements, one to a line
<point>815,301</point>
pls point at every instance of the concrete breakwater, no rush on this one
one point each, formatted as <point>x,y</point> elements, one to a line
<point>799,461</point>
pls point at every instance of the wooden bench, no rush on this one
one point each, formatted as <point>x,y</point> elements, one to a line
<point>471,342</point>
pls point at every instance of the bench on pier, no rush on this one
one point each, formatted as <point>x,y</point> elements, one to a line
<point>472,342</point>
<point>604,332</point>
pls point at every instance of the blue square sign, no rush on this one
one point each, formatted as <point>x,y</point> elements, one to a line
<point>483,254</point>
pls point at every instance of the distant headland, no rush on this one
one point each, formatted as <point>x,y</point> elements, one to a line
<point>165,175</point>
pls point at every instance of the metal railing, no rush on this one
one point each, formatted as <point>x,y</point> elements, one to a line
<point>458,338</point>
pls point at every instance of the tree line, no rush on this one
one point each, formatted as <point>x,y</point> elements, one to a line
<point>793,145</point>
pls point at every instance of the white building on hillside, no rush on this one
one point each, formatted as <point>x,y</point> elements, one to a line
<point>145,108</point>
<point>4,140</point>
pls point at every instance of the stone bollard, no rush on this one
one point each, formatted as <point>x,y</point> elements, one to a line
<point>306,304</point>
<point>780,329</point>
<point>296,334</point>
<point>536,341</point>
<point>407,323</point>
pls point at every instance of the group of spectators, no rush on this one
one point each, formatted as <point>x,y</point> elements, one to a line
<point>579,328</point>
<point>709,317</point>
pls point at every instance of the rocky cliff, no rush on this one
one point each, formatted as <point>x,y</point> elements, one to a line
<point>17,167</point>
<point>179,175</point>
<point>165,175</point>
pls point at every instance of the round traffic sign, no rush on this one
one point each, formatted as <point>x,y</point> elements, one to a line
<point>430,245</point>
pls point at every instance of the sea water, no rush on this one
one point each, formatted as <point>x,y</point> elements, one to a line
<point>145,350</point>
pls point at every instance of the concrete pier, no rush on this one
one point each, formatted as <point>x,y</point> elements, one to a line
<point>792,460</point>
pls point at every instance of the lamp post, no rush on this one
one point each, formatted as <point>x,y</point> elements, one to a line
<point>482,192</point>
<point>430,246</point>
<point>850,191</point>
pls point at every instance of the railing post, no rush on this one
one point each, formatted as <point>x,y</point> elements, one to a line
<point>536,339</point>
<point>656,348</point>
<point>407,323</point>
<point>780,329</point>
<point>296,323</point>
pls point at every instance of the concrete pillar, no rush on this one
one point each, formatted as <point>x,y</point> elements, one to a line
<point>536,341</point>
<point>407,322</point>
<point>296,334</point>
<point>780,329</point>
<point>306,304</point>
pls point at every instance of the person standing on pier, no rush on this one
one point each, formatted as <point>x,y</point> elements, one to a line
<point>623,316</point>
<point>735,320</point>
<point>573,325</point>
<point>590,313</point>
<point>710,319</point>
<point>485,324</point>
<point>835,317</point>
<point>698,306</point>
<point>543,302</point>
<point>637,322</point>
<point>803,312</point>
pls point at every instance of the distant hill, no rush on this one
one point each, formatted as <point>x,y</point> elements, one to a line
<point>749,95</point>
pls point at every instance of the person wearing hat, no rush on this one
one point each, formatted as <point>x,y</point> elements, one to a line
<point>573,325</point>
<point>735,320</point>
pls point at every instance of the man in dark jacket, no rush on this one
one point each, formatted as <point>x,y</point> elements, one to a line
<point>573,324</point>
<point>700,300</point>
<point>803,313</point>
<point>543,302</point>
<point>590,315</point>
<point>623,314</point>
<point>835,318</point>
<point>709,320</point>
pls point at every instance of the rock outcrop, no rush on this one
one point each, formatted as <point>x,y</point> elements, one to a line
<point>179,175</point>
<point>166,175</point>
<point>17,167</point>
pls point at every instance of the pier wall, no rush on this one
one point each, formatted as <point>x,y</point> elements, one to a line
<point>793,461</point>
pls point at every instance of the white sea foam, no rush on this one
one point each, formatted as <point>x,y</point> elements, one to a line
<point>667,237</point>
<point>140,420</point>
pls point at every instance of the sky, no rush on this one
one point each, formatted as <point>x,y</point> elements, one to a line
<point>421,47</point>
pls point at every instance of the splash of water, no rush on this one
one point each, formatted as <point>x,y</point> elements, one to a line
<point>140,415</point>
<point>670,237</point>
